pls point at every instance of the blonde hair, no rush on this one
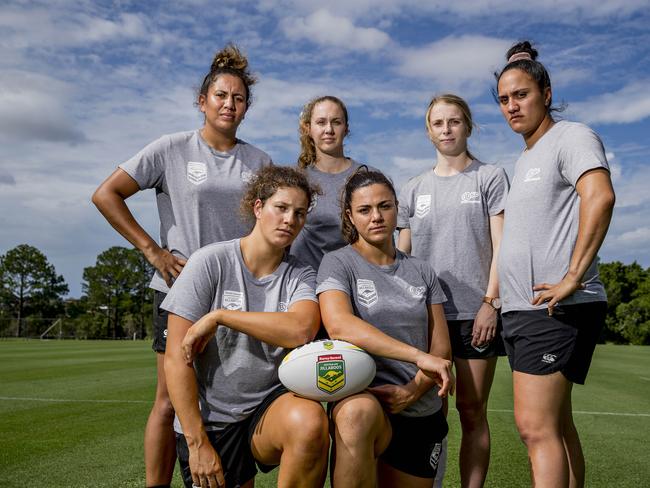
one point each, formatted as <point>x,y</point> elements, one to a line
<point>307,147</point>
<point>229,60</point>
<point>451,99</point>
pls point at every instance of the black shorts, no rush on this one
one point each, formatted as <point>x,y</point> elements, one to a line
<point>416,445</point>
<point>540,344</point>
<point>233,444</point>
<point>460,335</point>
<point>159,322</point>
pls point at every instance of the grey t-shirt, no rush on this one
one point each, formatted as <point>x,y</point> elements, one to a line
<point>542,213</point>
<point>449,219</point>
<point>394,299</point>
<point>322,231</point>
<point>198,190</point>
<point>235,372</point>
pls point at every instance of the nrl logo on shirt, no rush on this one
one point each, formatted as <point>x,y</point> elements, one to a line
<point>533,174</point>
<point>422,205</point>
<point>367,292</point>
<point>313,203</point>
<point>470,197</point>
<point>197,172</point>
<point>246,176</point>
<point>232,300</point>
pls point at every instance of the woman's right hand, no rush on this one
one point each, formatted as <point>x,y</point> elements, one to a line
<point>198,336</point>
<point>439,370</point>
<point>168,265</point>
<point>205,466</point>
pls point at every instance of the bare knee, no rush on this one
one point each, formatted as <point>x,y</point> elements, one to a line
<point>359,419</point>
<point>308,426</point>
<point>535,431</point>
<point>162,409</point>
<point>472,413</point>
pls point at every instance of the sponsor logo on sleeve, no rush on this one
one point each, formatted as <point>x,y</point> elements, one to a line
<point>330,373</point>
<point>367,292</point>
<point>417,291</point>
<point>232,300</point>
<point>282,306</point>
<point>197,172</point>
<point>533,174</point>
<point>470,197</point>
<point>422,205</point>
<point>246,176</point>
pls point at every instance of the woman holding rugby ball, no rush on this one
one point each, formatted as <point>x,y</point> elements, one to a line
<point>235,311</point>
<point>554,304</point>
<point>198,177</point>
<point>389,304</point>
<point>323,128</point>
<point>452,217</point>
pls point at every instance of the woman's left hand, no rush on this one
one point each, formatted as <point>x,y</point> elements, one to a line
<point>198,336</point>
<point>395,398</point>
<point>554,293</point>
<point>485,326</point>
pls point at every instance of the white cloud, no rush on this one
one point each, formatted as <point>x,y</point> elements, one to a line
<point>455,63</point>
<point>33,107</point>
<point>331,31</point>
<point>629,104</point>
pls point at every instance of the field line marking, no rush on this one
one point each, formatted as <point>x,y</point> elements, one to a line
<point>62,400</point>
<point>583,412</point>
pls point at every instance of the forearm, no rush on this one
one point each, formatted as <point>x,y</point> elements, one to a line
<point>284,329</point>
<point>496,232</point>
<point>114,209</point>
<point>350,328</point>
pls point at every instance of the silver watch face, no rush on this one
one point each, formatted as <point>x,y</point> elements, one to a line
<point>496,303</point>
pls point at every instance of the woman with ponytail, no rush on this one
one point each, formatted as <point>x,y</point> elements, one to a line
<point>198,177</point>
<point>554,304</point>
<point>323,128</point>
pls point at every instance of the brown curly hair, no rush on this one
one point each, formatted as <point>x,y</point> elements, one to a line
<point>359,179</point>
<point>229,60</point>
<point>268,180</point>
<point>307,148</point>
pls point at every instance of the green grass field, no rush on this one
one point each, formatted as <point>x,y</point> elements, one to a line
<point>72,414</point>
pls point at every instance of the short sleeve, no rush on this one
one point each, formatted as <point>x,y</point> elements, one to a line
<point>147,167</point>
<point>193,292</point>
<point>580,150</point>
<point>404,212</point>
<point>496,191</point>
<point>305,288</point>
<point>333,275</point>
<point>435,294</point>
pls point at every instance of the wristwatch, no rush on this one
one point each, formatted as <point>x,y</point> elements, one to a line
<point>494,302</point>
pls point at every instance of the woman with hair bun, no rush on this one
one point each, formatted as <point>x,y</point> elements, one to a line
<point>235,311</point>
<point>323,128</point>
<point>554,304</point>
<point>452,217</point>
<point>198,177</point>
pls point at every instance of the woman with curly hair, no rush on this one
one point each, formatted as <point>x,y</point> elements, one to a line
<point>198,177</point>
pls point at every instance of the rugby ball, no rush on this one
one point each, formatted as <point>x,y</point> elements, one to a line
<point>327,370</point>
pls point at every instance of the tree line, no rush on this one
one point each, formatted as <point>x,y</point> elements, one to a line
<point>116,301</point>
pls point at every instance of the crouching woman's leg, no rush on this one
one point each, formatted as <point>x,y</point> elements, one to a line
<point>293,432</point>
<point>361,432</point>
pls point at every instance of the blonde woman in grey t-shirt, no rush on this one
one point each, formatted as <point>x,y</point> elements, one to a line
<point>388,303</point>
<point>452,217</point>
<point>198,178</point>
<point>554,303</point>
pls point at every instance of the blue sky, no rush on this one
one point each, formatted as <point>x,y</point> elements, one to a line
<point>84,85</point>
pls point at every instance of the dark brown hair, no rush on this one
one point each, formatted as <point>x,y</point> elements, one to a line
<point>531,67</point>
<point>268,180</point>
<point>231,61</point>
<point>359,179</point>
<point>307,148</point>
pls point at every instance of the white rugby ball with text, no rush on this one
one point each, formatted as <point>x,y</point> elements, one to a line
<point>327,370</point>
